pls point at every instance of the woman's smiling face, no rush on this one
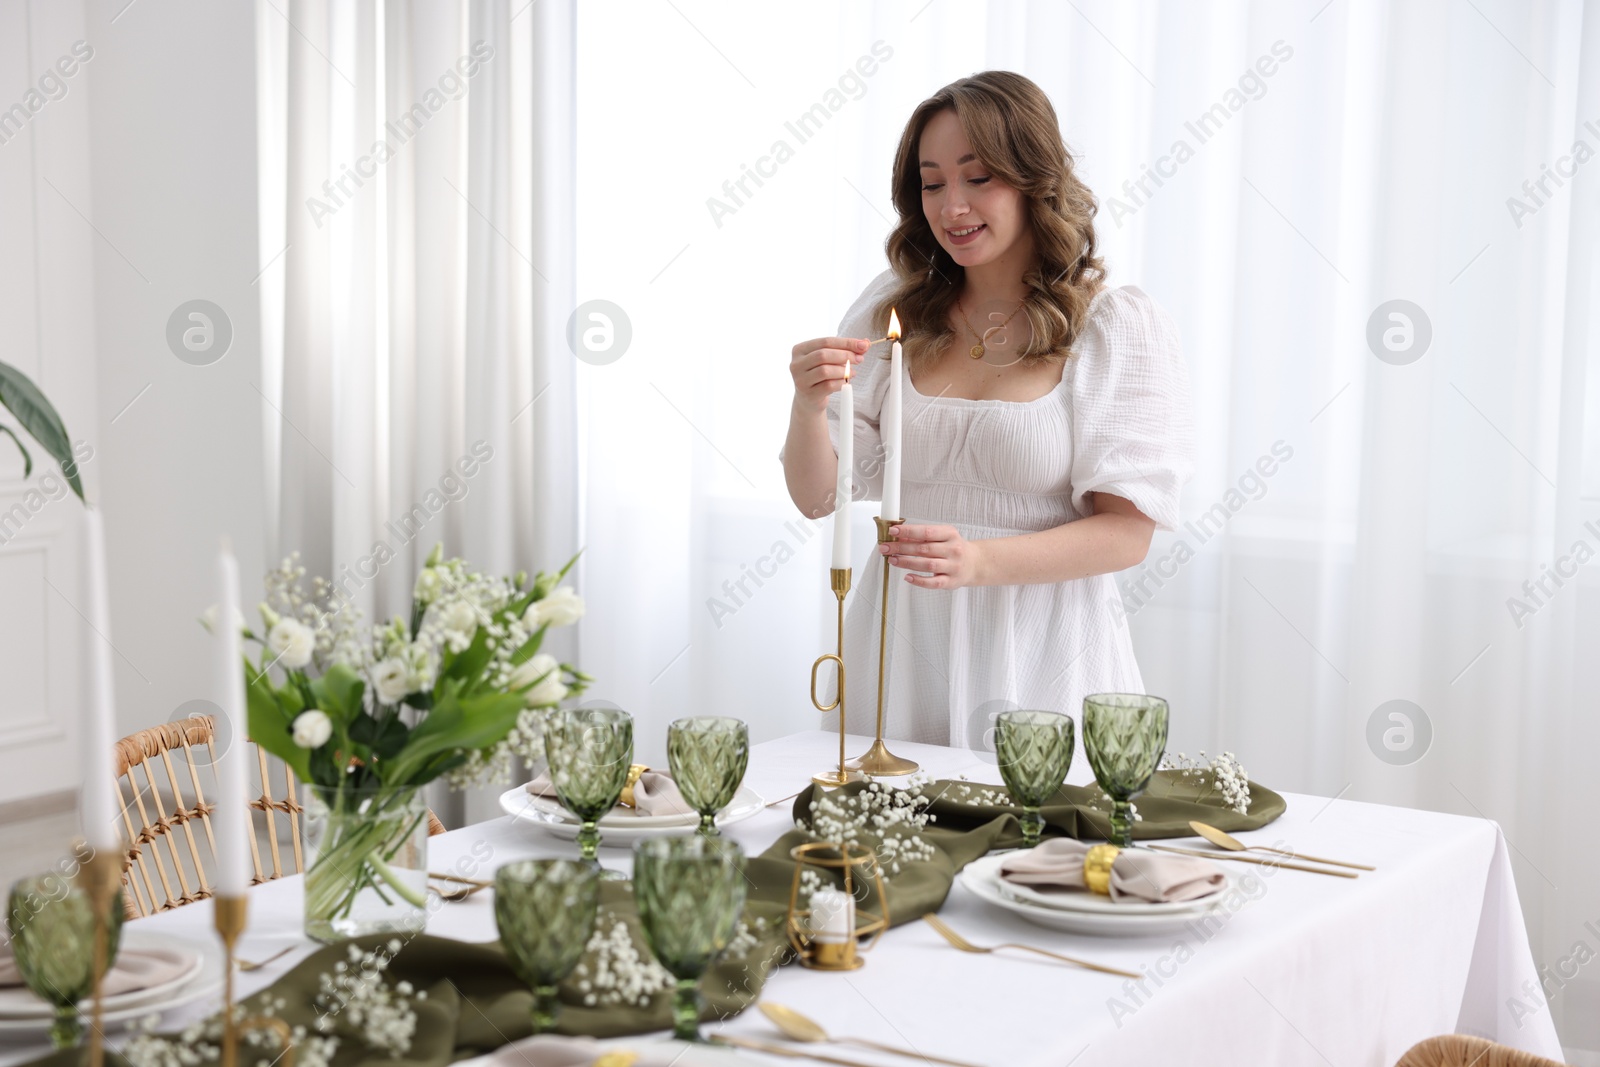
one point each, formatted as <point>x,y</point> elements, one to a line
<point>975,216</point>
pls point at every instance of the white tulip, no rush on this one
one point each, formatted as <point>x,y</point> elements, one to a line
<point>426,590</point>
<point>312,729</point>
<point>560,607</point>
<point>392,681</point>
<point>546,693</point>
<point>292,643</point>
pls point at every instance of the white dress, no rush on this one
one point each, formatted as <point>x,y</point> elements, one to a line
<point>1118,423</point>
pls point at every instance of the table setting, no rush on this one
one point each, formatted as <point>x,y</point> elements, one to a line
<point>1075,910</point>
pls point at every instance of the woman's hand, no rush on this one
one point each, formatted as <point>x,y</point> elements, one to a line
<point>941,551</point>
<point>820,367</point>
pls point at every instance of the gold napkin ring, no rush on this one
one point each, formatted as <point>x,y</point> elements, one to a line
<point>635,772</point>
<point>1097,868</point>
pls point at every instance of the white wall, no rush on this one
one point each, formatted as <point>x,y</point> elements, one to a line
<point>172,176</point>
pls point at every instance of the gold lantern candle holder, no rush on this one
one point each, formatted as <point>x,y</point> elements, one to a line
<point>849,869</point>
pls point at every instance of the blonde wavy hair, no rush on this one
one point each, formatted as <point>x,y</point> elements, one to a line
<point>1014,133</point>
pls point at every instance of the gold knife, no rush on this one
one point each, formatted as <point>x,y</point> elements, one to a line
<point>1235,858</point>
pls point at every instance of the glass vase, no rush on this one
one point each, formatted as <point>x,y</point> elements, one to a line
<point>366,862</point>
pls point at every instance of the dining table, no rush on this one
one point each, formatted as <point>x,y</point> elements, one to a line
<point>1307,969</point>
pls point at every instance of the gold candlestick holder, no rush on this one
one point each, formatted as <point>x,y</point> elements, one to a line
<point>839,582</point>
<point>229,917</point>
<point>878,761</point>
<point>99,876</point>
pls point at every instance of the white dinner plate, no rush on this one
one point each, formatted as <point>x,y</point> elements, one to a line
<point>547,814</point>
<point>1098,916</point>
<point>18,1002</point>
<point>205,982</point>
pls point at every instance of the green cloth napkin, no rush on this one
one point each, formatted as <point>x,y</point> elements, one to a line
<point>475,1003</point>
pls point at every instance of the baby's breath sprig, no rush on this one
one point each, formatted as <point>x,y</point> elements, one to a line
<point>1224,774</point>
<point>613,971</point>
<point>890,821</point>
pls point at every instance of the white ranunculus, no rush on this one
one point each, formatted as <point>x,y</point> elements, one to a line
<point>559,607</point>
<point>292,643</point>
<point>546,693</point>
<point>426,590</point>
<point>459,618</point>
<point>392,681</point>
<point>208,619</point>
<point>312,729</point>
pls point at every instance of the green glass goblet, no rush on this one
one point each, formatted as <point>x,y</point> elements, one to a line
<point>690,893</point>
<point>545,910</point>
<point>708,756</point>
<point>51,922</point>
<point>1124,735</point>
<point>589,751</point>
<point>1034,750</point>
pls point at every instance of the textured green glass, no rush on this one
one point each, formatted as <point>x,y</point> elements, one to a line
<point>708,757</point>
<point>51,924</point>
<point>1034,750</point>
<point>589,751</point>
<point>690,894</point>
<point>1124,735</point>
<point>545,911</point>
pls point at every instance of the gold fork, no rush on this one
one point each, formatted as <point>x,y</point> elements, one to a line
<point>256,965</point>
<point>967,946</point>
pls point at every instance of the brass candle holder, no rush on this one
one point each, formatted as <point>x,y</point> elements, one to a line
<point>839,581</point>
<point>100,875</point>
<point>856,866</point>
<point>878,761</point>
<point>229,917</point>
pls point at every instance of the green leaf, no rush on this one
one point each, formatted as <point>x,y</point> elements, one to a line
<point>38,416</point>
<point>468,664</point>
<point>339,693</point>
<point>27,460</point>
<point>456,724</point>
<point>530,647</point>
<point>271,723</point>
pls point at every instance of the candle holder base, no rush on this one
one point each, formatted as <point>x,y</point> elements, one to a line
<point>832,779</point>
<point>879,762</point>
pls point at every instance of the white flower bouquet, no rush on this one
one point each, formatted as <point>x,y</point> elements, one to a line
<point>366,716</point>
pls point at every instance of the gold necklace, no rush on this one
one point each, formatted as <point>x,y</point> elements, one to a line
<point>977,350</point>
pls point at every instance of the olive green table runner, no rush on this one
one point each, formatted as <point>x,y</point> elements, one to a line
<point>473,1001</point>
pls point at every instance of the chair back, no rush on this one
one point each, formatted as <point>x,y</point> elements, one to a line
<point>162,794</point>
<point>1460,1050</point>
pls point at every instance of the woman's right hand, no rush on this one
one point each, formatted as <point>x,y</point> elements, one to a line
<point>820,366</point>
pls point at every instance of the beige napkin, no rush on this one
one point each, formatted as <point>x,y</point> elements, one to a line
<point>136,968</point>
<point>1137,875</point>
<point>653,794</point>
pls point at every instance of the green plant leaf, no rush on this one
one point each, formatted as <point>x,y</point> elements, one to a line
<point>456,723</point>
<point>27,460</point>
<point>530,647</point>
<point>271,723</point>
<point>38,416</point>
<point>339,692</point>
<point>468,664</point>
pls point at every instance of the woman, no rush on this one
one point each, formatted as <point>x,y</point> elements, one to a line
<point>1046,427</point>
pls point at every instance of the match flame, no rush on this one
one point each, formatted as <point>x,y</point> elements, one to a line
<point>894,326</point>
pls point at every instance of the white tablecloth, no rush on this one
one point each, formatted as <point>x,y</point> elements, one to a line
<point>1315,971</point>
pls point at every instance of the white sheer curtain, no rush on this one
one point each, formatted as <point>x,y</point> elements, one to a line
<point>1360,523</point>
<point>416,170</point>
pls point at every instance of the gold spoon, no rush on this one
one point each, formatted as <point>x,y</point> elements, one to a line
<point>802,1028</point>
<point>256,965</point>
<point>1233,844</point>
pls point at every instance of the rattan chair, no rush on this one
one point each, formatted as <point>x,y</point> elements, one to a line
<point>1459,1050</point>
<point>160,813</point>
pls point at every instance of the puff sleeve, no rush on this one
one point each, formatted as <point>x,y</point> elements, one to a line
<point>1132,417</point>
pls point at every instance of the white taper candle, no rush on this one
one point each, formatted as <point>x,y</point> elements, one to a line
<point>842,490</point>
<point>232,814</point>
<point>101,813</point>
<point>889,428</point>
